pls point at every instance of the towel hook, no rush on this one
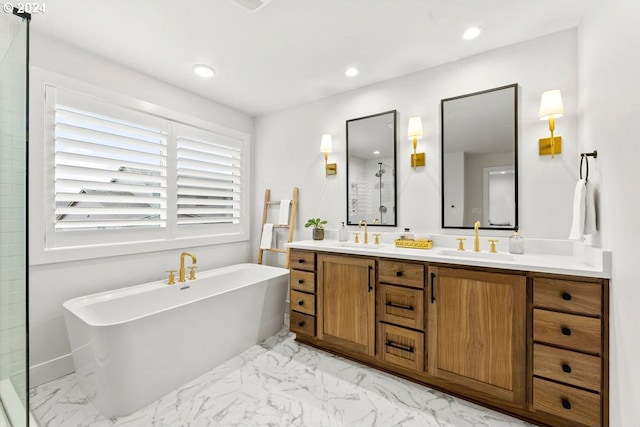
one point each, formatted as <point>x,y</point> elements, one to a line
<point>584,157</point>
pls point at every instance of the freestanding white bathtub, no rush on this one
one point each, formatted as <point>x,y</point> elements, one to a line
<point>133,345</point>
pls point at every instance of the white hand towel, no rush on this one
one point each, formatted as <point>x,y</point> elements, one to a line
<point>267,235</point>
<point>283,216</point>
<point>590,210</point>
<point>577,226</point>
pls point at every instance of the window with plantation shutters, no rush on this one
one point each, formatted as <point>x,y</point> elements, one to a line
<point>120,175</point>
<point>209,177</point>
<point>109,173</point>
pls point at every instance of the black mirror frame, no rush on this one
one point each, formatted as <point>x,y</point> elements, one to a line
<point>515,152</point>
<point>395,161</point>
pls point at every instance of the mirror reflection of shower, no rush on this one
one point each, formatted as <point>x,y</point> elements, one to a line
<point>382,209</point>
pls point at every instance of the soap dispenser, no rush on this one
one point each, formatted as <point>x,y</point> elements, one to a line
<point>516,243</point>
<point>343,234</point>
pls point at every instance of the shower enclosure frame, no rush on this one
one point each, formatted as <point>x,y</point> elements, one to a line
<point>12,417</point>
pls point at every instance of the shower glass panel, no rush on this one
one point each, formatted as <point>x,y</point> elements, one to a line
<point>13,209</point>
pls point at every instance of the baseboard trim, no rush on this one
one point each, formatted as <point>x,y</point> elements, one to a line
<point>50,370</point>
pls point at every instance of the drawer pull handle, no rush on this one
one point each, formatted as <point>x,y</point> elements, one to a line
<point>301,302</point>
<point>399,273</point>
<point>566,331</point>
<point>566,404</point>
<point>566,368</point>
<point>300,261</point>
<point>399,346</point>
<point>566,296</point>
<point>395,305</point>
<point>301,324</point>
<point>300,281</point>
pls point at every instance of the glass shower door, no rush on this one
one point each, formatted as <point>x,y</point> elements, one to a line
<point>13,211</point>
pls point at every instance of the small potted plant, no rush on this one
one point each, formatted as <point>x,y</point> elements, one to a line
<point>318,228</point>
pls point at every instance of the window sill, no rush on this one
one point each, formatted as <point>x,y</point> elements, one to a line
<point>44,256</point>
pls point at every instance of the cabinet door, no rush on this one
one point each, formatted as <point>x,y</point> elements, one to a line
<point>477,330</point>
<point>346,302</point>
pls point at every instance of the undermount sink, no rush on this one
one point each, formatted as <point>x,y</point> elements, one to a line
<point>360,245</point>
<point>481,255</point>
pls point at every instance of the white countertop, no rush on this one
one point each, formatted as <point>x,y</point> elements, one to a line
<point>572,259</point>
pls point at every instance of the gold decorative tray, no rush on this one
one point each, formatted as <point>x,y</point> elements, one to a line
<point>414,244</point>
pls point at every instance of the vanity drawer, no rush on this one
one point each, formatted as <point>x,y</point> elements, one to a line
<point>401,273</point>
<point>302,281</point>
<point>303,303</point>
<point>567,295</point>
<point>302,324</point>
<point>567,330</point>
<point>566,366</point>
<point>401,306</point>
<point>401,346</point>
<point>566,402</point>
<point>302,260</point>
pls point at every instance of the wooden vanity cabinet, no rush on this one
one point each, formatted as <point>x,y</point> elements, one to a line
<point>401,314</point>
<point>533,345</point>
<point>570,349</point>
<point>477,331</point>
<point>346,302</point>
<point>302,294</point>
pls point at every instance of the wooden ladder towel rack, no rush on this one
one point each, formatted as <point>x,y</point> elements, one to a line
<point>291,225</point>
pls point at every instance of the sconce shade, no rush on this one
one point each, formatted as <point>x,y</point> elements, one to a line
<point>325,143</point>
<point>551,105</point>
<point>415,128</point>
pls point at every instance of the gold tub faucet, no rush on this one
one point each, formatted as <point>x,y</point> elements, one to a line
<point>476,243</point>
<point>193,262</point>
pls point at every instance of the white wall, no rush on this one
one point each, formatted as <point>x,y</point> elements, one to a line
<point>287,143</point>
<point>609,66</point>
<point>52,284</point>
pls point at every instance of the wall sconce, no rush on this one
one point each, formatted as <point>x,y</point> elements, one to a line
<point>551,108</point>
<point>415,133</point>
<point>325,147</point>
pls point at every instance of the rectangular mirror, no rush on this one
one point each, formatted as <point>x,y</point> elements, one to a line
<point>371,169</point>
<point>480,159</point>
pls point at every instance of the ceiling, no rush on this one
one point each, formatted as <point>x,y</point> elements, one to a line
<point>290,52</point>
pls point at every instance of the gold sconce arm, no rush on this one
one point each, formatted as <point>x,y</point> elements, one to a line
<point>552,145</point>
<point>326,145</point>
<point>330,168</point>
<point>415,132</point>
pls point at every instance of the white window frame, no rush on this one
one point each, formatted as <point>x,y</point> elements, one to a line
<point>68,246</point>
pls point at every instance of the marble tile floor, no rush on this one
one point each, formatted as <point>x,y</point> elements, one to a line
<point>277,383</point>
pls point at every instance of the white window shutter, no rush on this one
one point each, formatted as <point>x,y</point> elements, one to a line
<point>209,177</point>
<point>110,171</point>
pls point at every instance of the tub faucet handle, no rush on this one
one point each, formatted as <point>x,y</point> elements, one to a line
<point>172,277</point>
<point>192,272</point>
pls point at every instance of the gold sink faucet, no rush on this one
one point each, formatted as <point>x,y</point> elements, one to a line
<point>193,262</point>
<point>366,234</point>
<point>476,243</point>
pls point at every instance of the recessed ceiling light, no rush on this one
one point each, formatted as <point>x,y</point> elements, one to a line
<point>204,70</point>
<point>471,33</point>
<point>376,152</point>
<point>351,72</point>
